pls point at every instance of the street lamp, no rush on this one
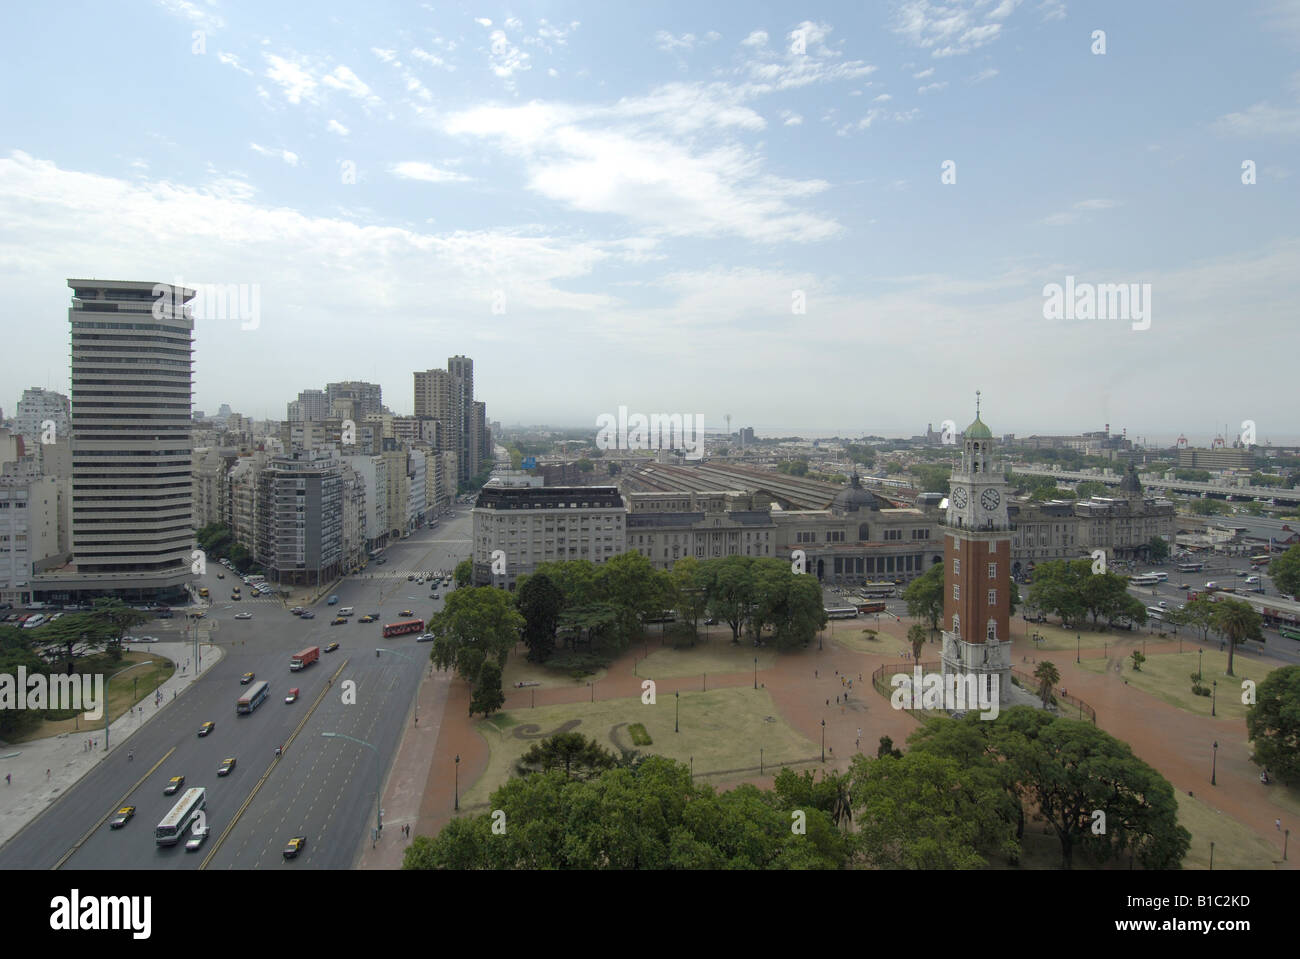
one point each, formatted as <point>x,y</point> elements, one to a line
<point>1211,855</point>
<point>1199,674</point>
<point>1077,640</point>
<point>756,672</point>
<point>1214,690</point>
<point>760,760</point>
<point>1214,768</point>
<point>379,775</point>
<point>677,715</point>
<point>457,807</point>
<point>823,740</point>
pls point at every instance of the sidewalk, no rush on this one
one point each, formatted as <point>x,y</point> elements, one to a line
<point>65,756</point>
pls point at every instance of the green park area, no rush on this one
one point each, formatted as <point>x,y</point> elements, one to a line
<point>722,730</point>
<point>1235,845</point>
<point>128,680</point>
<point>1168,675</point>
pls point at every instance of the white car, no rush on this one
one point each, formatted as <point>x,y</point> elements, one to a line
<point>243,616</point>
<point>1162,604</point>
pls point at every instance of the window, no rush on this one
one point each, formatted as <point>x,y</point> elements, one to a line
<point>993,571</point>
<point>993,597</point>
<point>956,625</point>
<point>993,632</point>
<point>956,567</point>
<point>956,591</point>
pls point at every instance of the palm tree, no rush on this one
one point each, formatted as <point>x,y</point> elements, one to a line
<point>917,635</point>
<point>842,803</point>
<point>1048,676</point>
<point>1237,622</point>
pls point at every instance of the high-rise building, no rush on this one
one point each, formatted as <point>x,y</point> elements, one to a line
<point>483,438</point>
<point>132,388</point>
<point>300,517</point>
<point>43,413</point>
<point>977,566</point>
<point>433,400</point>
<point>366,397</point>
<point>461,369</point>
<point>311,405</point>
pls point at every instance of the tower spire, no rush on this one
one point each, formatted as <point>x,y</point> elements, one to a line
<point>977,404</point>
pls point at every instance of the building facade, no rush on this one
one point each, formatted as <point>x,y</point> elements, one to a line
<point>43,413</point>
<point>300,518</point>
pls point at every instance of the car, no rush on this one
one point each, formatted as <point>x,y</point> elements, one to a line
<point>1184,586</point>
<point>406,612</point>
<point>166,614</point>
<point>293,695</point>
<point>243,616</point>
<point>425,638</point>
<point>332,601</point>
<point>434,596</point>
<point>236,597</point>
<point>294,846</point>
<point>174,785</point>
<point>419,582</point>
<point>147,639</point>
<point>247,678</point>
<point>331,647</point>
<point>221,576</point>
<point>207,728</point>
<point>381,561</point>
<point>1162,604</point>
<point>1252,580</point>
<point>121,817</point>
<point>1242,572</point>
<point>198,613</point>
<point>367,618</point>
<point>338,620</point>
<point>411,578</point>
<point>225,768</point>
<point>297,610</point>
<point>308,614</point>
<point>196,839</point>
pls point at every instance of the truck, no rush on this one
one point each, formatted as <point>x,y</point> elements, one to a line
<point>304,658</point>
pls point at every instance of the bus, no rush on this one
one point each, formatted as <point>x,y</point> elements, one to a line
<point>175,823</point>
<point>1290,632</point>
<point>876,607</point>
<point>1261,560</point>
<point>1146,579</point>
<point>840,612</point>
<point>878,589</point>
<point>253,698</point>
<point>1160,577</point>
<point>1190,567</point>
<point>404,626</point>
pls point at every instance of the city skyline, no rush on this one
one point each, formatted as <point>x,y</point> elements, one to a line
<point>682,209</point>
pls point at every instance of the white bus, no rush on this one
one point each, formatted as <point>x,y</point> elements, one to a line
<point>1156,613</point>
<point>1160,577</point>
<point>175,823</point>
<point>840,612</point>
<point>876,590</point>
<point>1146,579</point>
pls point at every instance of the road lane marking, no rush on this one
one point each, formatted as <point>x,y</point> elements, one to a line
<point>121,802</point>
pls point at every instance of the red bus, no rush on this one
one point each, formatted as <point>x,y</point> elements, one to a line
<point>876,607</point>
<point>404,626</point>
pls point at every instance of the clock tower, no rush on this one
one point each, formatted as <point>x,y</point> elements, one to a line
<point>977,565</point>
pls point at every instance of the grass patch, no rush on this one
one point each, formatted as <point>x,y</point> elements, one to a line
<point>722,729</point>
<point>1235,846</point>
<point>127,681</point>
<point>580,665</point>
<point>639,735</point>
<point>1168,676</point>
<point>712,658</point>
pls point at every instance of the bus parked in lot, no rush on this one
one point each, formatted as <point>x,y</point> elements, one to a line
<point>253,697</point>
<point>840,612</point>
<point>175,823</point>
<point>404,626</point>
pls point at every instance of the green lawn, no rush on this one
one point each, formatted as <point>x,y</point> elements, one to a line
<point>1168,676</point>
<point>722,729</point>
<point>1235,846</point>
<point>127,682</point>
<point>715,657</point>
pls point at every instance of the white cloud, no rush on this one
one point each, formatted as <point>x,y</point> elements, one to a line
<point>792,119</point>
<point>1052,10</point>
<point>1260,120</point>
<point>194,13</point>
<point>483,21</point>
<point>987,74</point>
<point>417,170</point>
<point>285,155</point>
<point>931,87</point>
<point>335,127</point>
<point>506,58</point>
<point>947,27</point>
<point>230,60</point>
<point>923,74</point>
<point>883,98</point>
<point>756,39</point>
<point>388,56</point>
<point>293,77</point>
<point>344,79</point>
<point>432,59</point>
<point>514,23</point>
<point>1075,213</point>
<point>1004,9</point>
<point>552,72</point>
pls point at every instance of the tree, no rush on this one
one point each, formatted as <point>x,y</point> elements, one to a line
<point>1102,594</point>
<point>917,635</point>
<point>464,572</point>
<point>932,477</point>
<point>635,589</point>
<point>1068,769</point>
<point>1238,622</point>
<point>475,624</point>
<point>539,601</point>
<point>1273,724</point>
<point>571,753</point>
<point>1048,676</point>
<point>1206,507</point>
<point>1138,660</point>
<point>886,748</point>
<point>1285,571</point>
<point>690,592</point>
<point>924,596</point>
<point>488,697</point>
<point>585,465</point>
<point>789,602</point>
<point>1058,587</point>
<point>1159,548</point>
<point>1090,488</point>
<point>730,585</point>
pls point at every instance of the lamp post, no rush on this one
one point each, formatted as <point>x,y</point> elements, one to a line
<point>1214,694</point>
<point>379,774</point>
<point>677,713</point>
<point>756,672</point>
<point>1214,768</point>
<point>823,740</point>
<point>1077,640</point>
<point>1200,653</point>
<point>1211,855</point>
<point>760,760</point>
<point>457,805</point>
<point>1286,839</point>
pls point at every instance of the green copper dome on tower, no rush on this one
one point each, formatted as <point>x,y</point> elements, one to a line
<point>977,430</point>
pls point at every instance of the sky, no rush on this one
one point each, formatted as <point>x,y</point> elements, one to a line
<point>824,217</point>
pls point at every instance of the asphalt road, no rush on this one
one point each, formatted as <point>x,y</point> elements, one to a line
<point>321,788</point>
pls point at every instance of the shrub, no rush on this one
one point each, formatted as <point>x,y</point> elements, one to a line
<point>639,735</point>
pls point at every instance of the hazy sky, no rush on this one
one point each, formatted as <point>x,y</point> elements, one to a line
<point>615,204</point>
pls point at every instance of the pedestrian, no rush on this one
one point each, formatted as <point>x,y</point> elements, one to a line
<point>828,702</point>
<point>47,775</point>
<point>814,674</point>
<point>9,777</point>
<point>859,732</point>
<point>1278,824</point>
<point>837,700</point>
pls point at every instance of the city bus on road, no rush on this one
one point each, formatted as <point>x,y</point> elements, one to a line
<point>840,612</point>
<point>1156,613</point>
<point>873,607</point>
<point>253,697</point>
<point>175,823</point>
<point>1261,560</point>
<point>404,626</point>
<point>878,589</point>
<point>1146,579</point>
<point>1190,567</point>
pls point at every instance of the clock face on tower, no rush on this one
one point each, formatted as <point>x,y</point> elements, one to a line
<point>959,497</point>
<point>989,499</point>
